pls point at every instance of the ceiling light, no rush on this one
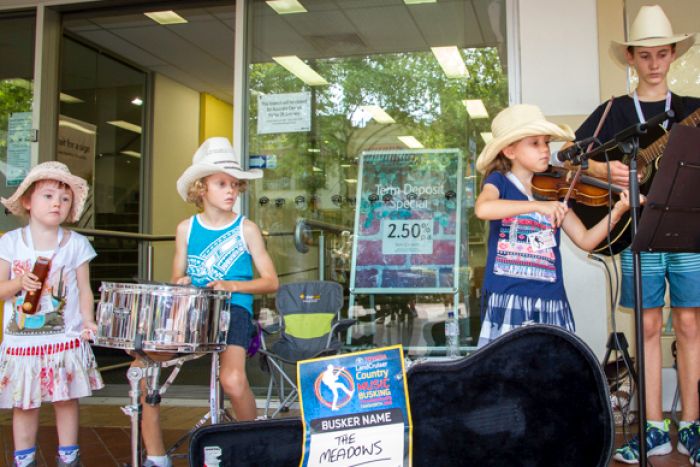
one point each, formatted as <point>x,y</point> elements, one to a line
<point>377,113</point>
<point>475,108</point>
<point>418,2</point>
<point>313,150</point>
<point>76,126</point>
<point>451,61</point>
<point>125,125</point>
<point>410,141</point>
<point>487,136</point>
<point>68,99</point>
<point>131,153</point>
<point>137,101</point>
<point>350,180</point>
<point>301,70</point>
<point>286,7</point>
<point>166,17</point>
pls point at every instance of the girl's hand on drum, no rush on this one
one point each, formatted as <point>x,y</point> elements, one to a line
<point>226,286</point>
<point>29,281</point>
<point>185,280</point>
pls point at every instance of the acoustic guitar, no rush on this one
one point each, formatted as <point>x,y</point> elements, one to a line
<point>647,164</point>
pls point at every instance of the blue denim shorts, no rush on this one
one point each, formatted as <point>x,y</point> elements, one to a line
<point>681,270</point>
<point>240,328</point>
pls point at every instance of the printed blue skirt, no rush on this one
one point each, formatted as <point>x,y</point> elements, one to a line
<point>504,312</point>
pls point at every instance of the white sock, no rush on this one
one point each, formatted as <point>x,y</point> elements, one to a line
<point>25,457</point>
<point>160,461</point>
<point>683,424</point>
<point>660,424</point>
<point>68,454</point>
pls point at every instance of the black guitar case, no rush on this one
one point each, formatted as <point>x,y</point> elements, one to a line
<point>534,397</point>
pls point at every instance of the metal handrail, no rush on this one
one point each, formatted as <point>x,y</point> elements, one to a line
<point>125,235</point>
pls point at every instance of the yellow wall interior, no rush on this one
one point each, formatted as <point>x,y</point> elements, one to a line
<point>215,118</point>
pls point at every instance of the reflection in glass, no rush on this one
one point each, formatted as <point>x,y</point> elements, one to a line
<point>393,75</point>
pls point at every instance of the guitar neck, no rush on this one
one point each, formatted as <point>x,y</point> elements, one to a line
<point>654,150</point>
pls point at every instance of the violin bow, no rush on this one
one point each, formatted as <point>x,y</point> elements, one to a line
<point>577,175</point>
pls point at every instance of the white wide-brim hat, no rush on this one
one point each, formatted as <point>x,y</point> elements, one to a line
<point>651,28</point>
<point>515,123</point>
<point>215,155</point>
<point>52,170</point>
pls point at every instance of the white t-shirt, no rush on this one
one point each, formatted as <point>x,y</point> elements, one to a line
<point>58,318</point>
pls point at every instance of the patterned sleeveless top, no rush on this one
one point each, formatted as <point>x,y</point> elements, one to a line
<point>219,254</point>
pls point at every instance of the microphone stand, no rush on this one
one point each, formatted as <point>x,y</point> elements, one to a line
<point>631,148</point>
<point>627,141</point>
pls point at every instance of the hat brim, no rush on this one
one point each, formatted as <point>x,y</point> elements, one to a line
<point>78,186</point>
<point>683,43</point>
<point>496,145</point>
<point>201,170</point>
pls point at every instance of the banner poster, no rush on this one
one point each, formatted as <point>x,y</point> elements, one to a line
<point>407,223</point>
<point>19,149</point>
<point>284,113</point>
<point>355,410</point>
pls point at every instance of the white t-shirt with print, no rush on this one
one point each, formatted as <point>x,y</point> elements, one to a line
<point>58,318</point>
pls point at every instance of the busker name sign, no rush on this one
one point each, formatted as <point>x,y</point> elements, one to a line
<point>355,409</point>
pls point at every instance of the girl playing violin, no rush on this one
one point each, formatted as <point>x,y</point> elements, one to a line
<point>523,283</point>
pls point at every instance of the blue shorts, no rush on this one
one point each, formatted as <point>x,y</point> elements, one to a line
<point>240,328</point>
<point>681,270</point>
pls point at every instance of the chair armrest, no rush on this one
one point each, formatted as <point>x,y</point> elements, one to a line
<point>272,329</point>
<point>342,325</point>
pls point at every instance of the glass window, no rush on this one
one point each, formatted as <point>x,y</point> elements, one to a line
<point>16,94</point>
<point>100,139</point>
<point>366,75</point>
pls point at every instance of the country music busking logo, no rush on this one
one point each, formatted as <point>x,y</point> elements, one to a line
<point>334,387</point>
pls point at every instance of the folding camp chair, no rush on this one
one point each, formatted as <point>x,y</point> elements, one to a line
<point>309,327</point>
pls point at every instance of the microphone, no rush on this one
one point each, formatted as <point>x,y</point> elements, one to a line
<point>572,152</point>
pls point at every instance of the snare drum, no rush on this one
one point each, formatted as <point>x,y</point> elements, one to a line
<point>162,318</point>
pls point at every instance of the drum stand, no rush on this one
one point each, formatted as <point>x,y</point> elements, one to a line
<point>151,372</point>
<point>217,413</point>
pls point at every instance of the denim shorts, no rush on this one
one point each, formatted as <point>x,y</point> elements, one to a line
<point>240,328</point>
<point>681,270</point>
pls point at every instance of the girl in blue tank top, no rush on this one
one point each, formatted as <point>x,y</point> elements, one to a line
<point>217,248</point>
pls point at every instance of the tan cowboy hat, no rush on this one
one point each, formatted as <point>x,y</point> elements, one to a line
<point>515,123</point>
<point>651,28</point>
<point>215,155</point>
<point>52,170</point>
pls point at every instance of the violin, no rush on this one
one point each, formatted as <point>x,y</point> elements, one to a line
<point>557,183</point>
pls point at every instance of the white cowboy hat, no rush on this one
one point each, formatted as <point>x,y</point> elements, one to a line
<point>52,170</point>
<point>651,28</point>
<point>515,123</point>
<point>215,155</point>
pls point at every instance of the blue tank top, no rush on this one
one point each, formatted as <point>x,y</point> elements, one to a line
<point>220,254</point>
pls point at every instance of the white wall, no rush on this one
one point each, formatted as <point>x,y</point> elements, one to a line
<point>559,55</point>
<point>175,139</point>
<point>559,68</point>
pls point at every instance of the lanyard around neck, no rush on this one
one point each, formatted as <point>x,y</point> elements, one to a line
<point>518,184</point>
<point>638,108</point>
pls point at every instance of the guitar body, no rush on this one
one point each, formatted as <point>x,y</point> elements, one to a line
<point>534,397</point>
<point>652,145</point>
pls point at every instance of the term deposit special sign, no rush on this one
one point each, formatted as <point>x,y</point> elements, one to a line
<point>407,223</point>
<point>355,410</point>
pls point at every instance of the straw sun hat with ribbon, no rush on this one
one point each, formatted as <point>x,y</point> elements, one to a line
<point>52,170</point>
<point>215,155</point>
<point>515,123</point>
<point>651,28</point>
